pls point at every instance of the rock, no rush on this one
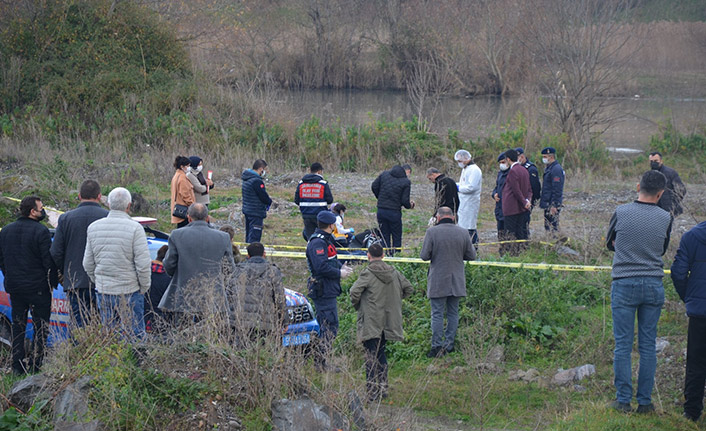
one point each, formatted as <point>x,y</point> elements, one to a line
<point>356,407</point>
<point>566,251</point>
<point>25,392</point>
<point>564,377</point>
<point>661,344</point>
<point>585,371</point>
<point>71,404</point>
<point>459,370</point>
<point>515,375</point>
<point>531,375</point>
<point>304,415</point>
<point>497,354</point>
<point>580,389</point>
<point>487,367</point>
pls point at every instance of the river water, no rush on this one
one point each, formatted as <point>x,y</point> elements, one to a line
<point>476,117</point>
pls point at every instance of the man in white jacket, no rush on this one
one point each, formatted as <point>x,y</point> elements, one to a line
<point>117,260</point>
<point>469,187</point>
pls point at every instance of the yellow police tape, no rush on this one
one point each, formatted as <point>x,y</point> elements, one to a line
<point>519,265</point>
<point>303,247</point>
<point>45,207</point>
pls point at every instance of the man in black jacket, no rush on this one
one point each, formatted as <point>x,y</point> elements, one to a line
<point>68,247</point>
<point>30,276</point>
<point>675,190</point>
<point>391,188</point>
<point>313,195</point>
<point>445,190</point>
<point>256,201</point>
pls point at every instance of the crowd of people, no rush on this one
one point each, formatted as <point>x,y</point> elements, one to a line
<point>103,262</point>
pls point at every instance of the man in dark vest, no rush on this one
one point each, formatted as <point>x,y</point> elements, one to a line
<point>313,195</point>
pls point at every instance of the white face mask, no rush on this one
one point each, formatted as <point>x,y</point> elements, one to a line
<point>461,165</point>
<point>545,160</point>
<point>504,166</point>
<point>188,169</point>
<point>200,168</point>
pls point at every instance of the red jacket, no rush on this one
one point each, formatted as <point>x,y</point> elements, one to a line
<point>516,191</point>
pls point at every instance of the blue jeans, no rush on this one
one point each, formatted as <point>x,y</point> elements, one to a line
<point>125,312</point>
<point>644,296</point>
<point>439,306</point>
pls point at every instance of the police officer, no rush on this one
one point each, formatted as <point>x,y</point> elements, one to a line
<point>552,189</point>
<point>325,281</point>
<point>312,196</point>
<point>497,194</point>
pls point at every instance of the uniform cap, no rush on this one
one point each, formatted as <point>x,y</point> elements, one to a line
<point>520,150</point>
<point>326,217</point>
<point>501,156</point>
<point>548,150</point>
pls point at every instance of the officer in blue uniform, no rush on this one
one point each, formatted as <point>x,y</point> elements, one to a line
<point>552,189</point>
<point>313,195</point>
<point>325,281</point>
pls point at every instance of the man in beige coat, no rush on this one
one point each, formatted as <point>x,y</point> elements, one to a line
<point>377,295</point>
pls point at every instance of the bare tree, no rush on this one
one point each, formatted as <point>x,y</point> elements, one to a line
<point>577,50</point>
<point>426,82</point>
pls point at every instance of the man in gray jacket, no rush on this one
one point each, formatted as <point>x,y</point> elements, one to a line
<point>117,260</point>
<point>447,246</point>
<point>199,259</point>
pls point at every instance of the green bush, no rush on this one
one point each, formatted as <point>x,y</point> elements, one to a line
<point>83,56</point>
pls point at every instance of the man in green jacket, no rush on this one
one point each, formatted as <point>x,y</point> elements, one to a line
<point>377,296</point>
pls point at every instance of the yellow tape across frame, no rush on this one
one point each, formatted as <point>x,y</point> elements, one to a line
<point>518,265</point>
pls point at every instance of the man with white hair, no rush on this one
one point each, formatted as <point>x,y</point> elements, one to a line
<point>117,260</point>
<point>469,187</point>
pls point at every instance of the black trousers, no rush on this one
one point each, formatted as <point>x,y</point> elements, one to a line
<point>310,225</point>
<point>551,222</point>
<point>516,228</point>
<point>40,305</point>
<point>83,305</point>
<point>390,222</point>
<point>375,367</point>
<point>695,367</point>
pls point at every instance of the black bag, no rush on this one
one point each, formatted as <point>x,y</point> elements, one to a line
<point>180,211</point>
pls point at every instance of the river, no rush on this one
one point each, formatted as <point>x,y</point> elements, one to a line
<point>476,117</point>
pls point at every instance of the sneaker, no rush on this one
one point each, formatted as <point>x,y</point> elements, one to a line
<point>435,352</point>
<point>646,408</point>
<point>621,407</point>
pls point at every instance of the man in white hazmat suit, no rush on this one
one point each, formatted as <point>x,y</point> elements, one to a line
<point>469,187</point>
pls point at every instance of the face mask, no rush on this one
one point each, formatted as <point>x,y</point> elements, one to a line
<point>42,215</point>
<point>188,169</point>
<point>654,165</point>
<point>200,168</point>
<point>264,172</point>
<point>503,166</point>
<point>461,165</point>
<point>545,160</point>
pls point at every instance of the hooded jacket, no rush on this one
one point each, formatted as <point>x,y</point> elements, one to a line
<point>689,271</point>
<point>377,295</point>
<point>256,296</point>
<point>313,195</point>
<point>256,201</point>
<point>391,188</point>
